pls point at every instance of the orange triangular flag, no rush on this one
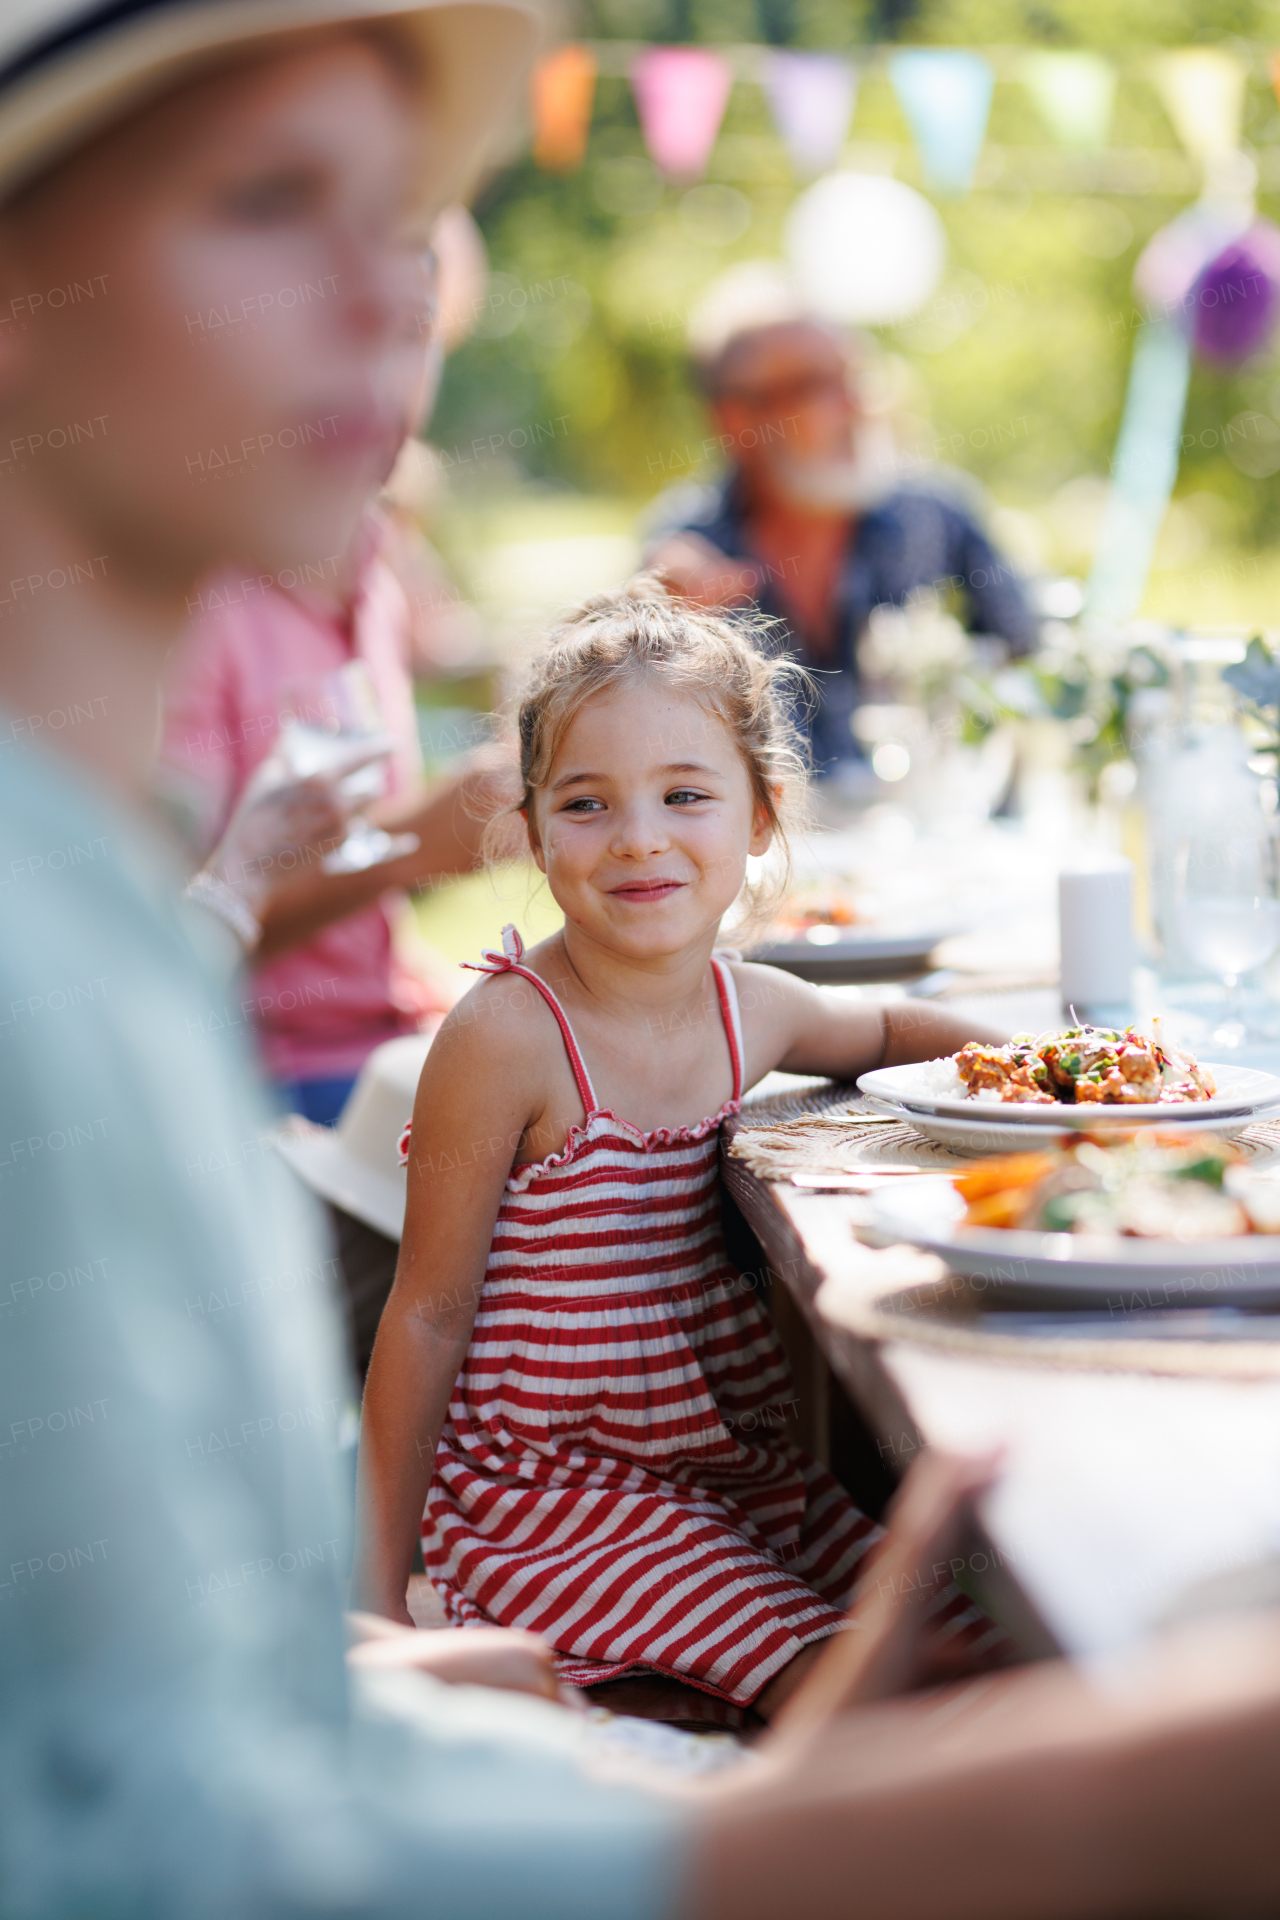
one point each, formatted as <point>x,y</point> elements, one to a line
<point>564,85</point>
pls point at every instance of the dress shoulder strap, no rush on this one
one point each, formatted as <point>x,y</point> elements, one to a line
<point>508,961</point>
<point>727,988</point>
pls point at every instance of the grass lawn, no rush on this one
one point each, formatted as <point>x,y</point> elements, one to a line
<point>1228,590</point>
<point>462,917</point>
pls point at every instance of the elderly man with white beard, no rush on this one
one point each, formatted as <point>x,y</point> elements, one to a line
<point>808,524</point>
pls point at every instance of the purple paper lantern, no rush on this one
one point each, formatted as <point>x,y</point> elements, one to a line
<point>1234,303</point>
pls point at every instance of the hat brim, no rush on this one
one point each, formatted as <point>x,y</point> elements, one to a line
<point>474,53</point>
<point>318,1157</point>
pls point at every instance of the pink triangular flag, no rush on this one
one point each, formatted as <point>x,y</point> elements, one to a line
<point>681,94</point>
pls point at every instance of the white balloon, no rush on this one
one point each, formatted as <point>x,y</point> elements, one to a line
<point>865,249</point>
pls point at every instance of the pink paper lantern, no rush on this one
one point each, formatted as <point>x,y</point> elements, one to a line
<point>681,94</point>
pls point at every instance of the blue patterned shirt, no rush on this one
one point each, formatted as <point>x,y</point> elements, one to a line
<point>912,539</point>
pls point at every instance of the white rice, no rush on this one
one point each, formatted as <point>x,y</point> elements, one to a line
<point>941,1080</point>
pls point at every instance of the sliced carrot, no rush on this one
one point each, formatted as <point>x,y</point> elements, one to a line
<point>999,1209</point>
<point>1010,1170</point>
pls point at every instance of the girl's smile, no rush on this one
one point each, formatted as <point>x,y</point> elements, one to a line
<point>642,892</point>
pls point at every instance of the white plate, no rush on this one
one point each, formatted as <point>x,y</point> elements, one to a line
<point>858,949</point>
<point>928,1212</point>
<point>1242,1092</point>
<point>982,1135</point>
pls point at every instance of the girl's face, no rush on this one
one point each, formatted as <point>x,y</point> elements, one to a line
<point>247,342</point>
<point>646,821</point>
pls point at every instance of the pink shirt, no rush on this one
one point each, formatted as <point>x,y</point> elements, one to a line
<point>321,1008</point>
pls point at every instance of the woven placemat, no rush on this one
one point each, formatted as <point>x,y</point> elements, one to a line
<point>822,1128</point>
<point>801,1102</point>
<point>949,1316</point>
<point>834,1149</point>
<point>829,1129</point>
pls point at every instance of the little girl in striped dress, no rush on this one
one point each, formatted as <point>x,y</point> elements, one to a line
<point>572,1386</point>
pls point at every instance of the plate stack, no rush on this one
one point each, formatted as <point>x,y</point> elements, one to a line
<point>1123,1272</point>
<point>976,1125</point>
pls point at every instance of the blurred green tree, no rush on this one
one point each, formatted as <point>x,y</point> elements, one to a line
<point>576,380</point>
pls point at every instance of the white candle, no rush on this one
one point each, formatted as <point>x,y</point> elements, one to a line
<point>1095,931</point>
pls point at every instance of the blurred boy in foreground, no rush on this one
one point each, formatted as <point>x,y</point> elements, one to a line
<point>327,983</point>
<point>179,1738</point>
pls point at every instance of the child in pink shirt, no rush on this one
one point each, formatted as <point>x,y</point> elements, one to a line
<point>325,987</point>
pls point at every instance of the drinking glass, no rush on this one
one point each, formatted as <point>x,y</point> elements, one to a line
<point>333,726</point>
<point>1227,903</point>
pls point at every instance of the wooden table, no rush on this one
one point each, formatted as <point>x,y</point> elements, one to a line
<point>1142,1473</point>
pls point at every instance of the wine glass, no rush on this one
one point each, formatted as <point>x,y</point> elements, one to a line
<point>332,726</point>
<point>1227,909</point>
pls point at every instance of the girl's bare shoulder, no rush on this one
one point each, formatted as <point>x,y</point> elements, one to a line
<point>775,1007</point>
<point>502,1018</point>
<point>766,994</point>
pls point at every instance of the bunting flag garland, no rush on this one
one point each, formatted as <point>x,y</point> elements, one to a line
<point>1202,89</point>
<point>681,94</point>
<point>811,97</point>
<point>564,86</point>
<point>1075,93</point>
<point>945,93</point>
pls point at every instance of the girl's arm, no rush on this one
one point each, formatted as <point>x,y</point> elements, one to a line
<point>789,1024</point>
<point>480,1089</point>
<point>501,1657</point>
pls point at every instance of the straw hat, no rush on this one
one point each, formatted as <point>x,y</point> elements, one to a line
<point>67,70</point>
<point>356,1164</point>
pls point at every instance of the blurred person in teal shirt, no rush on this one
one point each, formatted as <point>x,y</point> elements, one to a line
<point>181,1736</point>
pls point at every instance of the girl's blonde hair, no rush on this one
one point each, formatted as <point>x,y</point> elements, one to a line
<point>725,664</point>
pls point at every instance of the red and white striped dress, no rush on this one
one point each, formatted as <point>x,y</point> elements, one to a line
<point>613,1472</point>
